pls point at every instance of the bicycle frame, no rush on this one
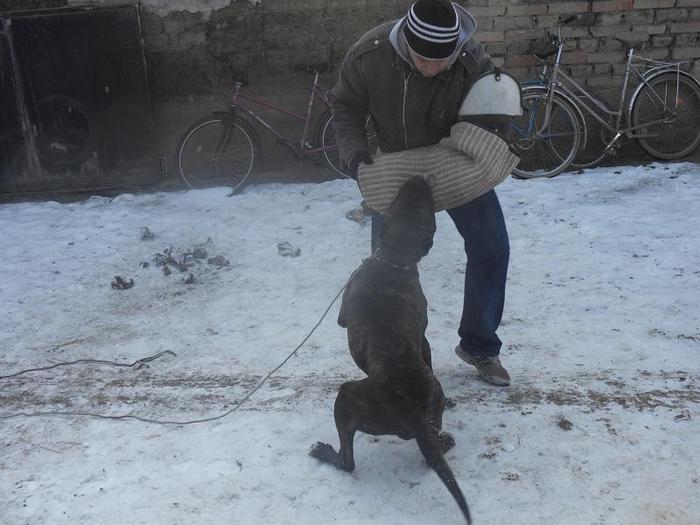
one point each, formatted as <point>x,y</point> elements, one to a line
<point>302,148</point>
<point>560,82</point>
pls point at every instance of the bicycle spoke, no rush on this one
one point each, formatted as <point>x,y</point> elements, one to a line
<point>548,145</point>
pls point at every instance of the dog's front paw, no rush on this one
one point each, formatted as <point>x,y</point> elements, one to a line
<point>447,441</point>
<point>323,452</point>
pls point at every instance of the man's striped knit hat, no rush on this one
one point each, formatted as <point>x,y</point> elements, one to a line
<point>432,28</point>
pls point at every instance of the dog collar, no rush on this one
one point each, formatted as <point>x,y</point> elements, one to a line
<point>376,257</point>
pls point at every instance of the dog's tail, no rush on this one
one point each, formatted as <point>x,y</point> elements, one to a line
<point>430,447</point>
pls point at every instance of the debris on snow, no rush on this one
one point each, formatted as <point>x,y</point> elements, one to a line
<point>119,283</point>
<point>683,416</point>
<point>565,424</point>
<point>219,260</point>
<point>147,234</point>
<point>287,250</point>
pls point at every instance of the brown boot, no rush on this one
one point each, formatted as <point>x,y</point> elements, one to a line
<point>489,368</point>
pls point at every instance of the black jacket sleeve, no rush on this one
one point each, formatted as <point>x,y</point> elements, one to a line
<point>350,103</point>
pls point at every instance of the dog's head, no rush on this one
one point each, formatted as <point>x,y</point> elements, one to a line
<point>409,226</point>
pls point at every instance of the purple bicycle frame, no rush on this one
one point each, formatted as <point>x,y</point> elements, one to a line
<point>299,149</point>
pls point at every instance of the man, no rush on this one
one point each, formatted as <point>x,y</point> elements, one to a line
<point>411,76</point>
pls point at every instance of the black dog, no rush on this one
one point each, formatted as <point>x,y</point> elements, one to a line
<point>385,312</point>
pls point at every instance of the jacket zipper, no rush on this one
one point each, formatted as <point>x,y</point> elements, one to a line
<point>406,78</point>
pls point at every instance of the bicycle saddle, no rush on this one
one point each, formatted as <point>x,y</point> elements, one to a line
<point>312,69</point>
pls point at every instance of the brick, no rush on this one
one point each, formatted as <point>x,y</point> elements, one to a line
<point>526,10</point>
<point>618,31</point>
<point>656,54</point>
<point>568,8</point>
<point>495,48</point>
<point>588,44</point>
<point>625,17</point>
<point>498,61</point>
<point>688,3</point>
<point>688,27</point>
<point>546,21</point>
<point>650,29</point>
<point>600,6</point>
<point>485,23</point>
<point>575,57</point>
<point>605,58</point>
<point>581,71</point>
<point>518,47</point>
<point>507,23</point>
<point>688,40</point>
<point>603,69</point>
<point>683,53</point>
<point>671,15</point>
<point>490,36</point>
<point>662,40</point>
<point>479,11</point>
<point>570,45</point>
<point>653,4</point>
<point>610,44</point>
<point>520,61</point>
<point>534,34</point>
<point>575,32</point>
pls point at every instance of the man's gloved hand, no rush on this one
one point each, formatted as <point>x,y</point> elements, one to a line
<point>359,157</point>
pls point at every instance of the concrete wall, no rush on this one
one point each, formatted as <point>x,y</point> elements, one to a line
<point>194,48</point>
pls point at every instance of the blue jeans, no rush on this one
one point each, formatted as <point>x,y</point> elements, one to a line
<point>481,225</point>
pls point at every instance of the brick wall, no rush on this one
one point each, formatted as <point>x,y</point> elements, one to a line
<point>510,29</point>
<point>262,40</point>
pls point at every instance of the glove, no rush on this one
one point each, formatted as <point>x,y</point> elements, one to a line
<point>359,157</point>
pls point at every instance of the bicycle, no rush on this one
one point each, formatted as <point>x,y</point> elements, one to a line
<point>225,147</point>
<point>662,113</point>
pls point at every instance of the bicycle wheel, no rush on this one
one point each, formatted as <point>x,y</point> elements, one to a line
<point>545,148</point>
<point>324,137</point>
<point>221,149</point>
<point>675,101</point>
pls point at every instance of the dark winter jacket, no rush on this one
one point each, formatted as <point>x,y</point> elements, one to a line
<point>407,109</point>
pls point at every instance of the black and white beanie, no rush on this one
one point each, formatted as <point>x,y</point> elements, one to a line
<point>432,28</point>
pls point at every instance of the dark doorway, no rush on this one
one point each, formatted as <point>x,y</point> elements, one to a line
<point>79,113</point>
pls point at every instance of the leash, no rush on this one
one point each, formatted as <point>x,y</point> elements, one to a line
<point>141,361</point>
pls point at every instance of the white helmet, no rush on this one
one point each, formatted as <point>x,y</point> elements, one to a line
<point>493,94</point>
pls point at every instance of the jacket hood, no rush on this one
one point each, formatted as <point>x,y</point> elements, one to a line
<point>467,25</point>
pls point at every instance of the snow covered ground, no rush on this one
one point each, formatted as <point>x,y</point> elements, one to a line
<point>601,334</point>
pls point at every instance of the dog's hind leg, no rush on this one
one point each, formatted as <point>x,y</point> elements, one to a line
<point>346,407</point>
